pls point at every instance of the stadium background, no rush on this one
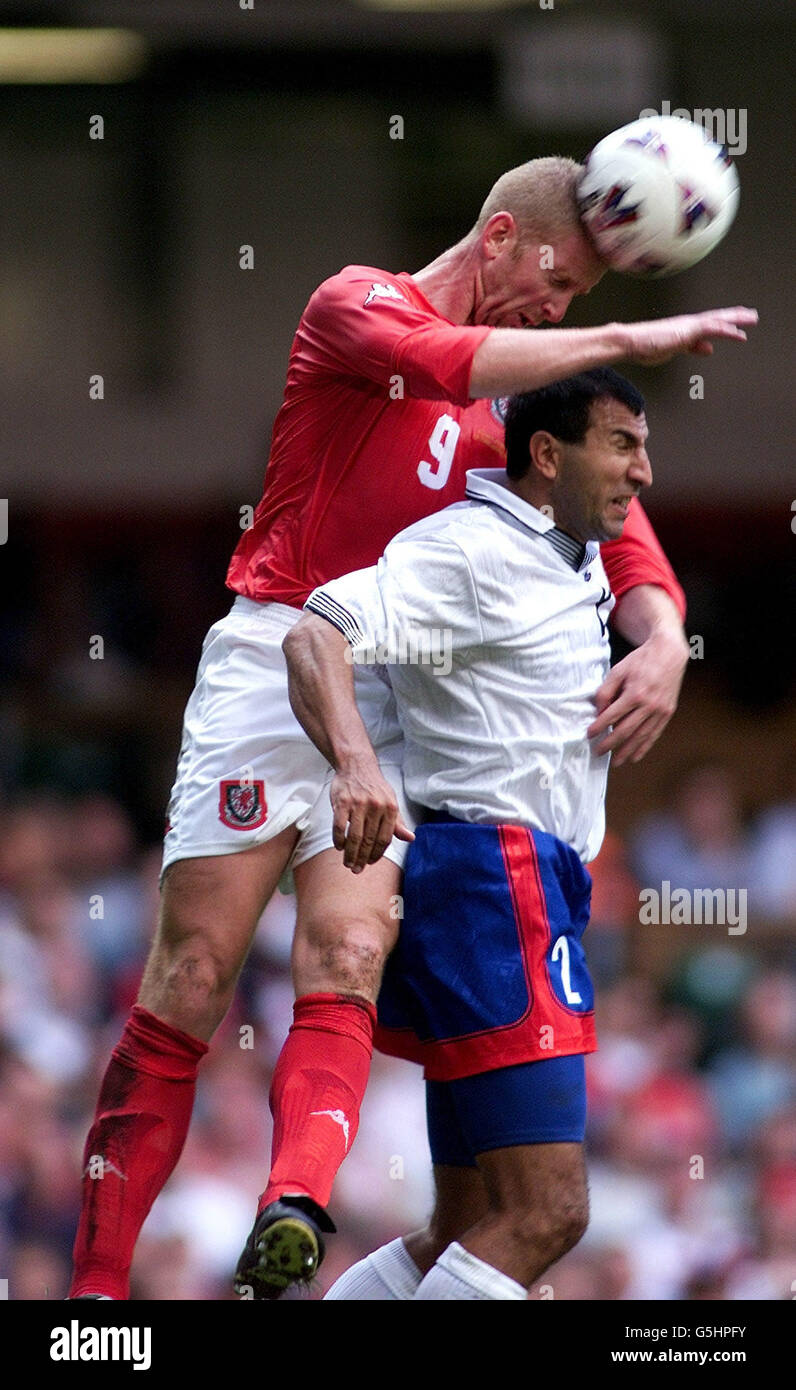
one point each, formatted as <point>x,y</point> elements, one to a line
<point>270,126</point>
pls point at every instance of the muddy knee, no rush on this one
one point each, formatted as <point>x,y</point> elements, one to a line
<point>342,957</point>
<point>191,972</point>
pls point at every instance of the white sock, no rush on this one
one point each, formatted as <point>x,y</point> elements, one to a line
<point>460,1275</point>
<point>388,1274</point>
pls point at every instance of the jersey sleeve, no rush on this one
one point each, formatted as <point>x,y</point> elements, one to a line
<point>358,325</point>
<point>419,599</point>
<point>637,557</point>
<point>354,605</point>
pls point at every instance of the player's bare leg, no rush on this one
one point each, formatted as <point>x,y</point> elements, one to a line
<point>461,1203</point>
<point>517,1213</point>
<point>344,933</point>
<point>209,911</point>
<point>538,1210</point>
<point>344,930</point>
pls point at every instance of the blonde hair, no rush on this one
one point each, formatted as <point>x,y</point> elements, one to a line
<point>540,196</point>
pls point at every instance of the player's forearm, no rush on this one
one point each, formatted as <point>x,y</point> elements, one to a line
<point>521,359</point>
<point>321,688</point>
<point>647,611</point>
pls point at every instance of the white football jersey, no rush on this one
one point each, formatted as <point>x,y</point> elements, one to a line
<point>492,625</point>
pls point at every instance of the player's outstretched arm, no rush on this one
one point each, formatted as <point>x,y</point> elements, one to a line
<point>519,359</point>
<point>639,695</point>
<point>321,687</point>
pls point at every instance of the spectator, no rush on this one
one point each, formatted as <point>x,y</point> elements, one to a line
<point>772,887</point>
<point>700,842</point>
<point>751,1082</point>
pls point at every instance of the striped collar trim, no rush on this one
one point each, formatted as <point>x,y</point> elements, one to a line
<point>491,485</point>
<point>574,552</point>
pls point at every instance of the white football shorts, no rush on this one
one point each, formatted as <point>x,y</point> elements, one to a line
<point>246,769</point>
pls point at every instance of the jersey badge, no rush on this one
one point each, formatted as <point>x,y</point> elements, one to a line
<point>242,804</point>
<point>498,407</point>
<point>603,599</point>
<point>381,291</point>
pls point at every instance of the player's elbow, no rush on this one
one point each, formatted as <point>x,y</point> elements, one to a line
<point>308,640</point>
<point>294,642</point>
<point>297,646</point>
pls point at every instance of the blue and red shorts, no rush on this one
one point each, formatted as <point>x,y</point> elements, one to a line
<point>489,969</point>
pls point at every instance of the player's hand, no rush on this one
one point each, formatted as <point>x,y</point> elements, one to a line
<point>639,696</point>
<point>365,816</point>
<point>657,341</point>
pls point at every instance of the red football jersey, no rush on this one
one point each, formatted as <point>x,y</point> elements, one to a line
<point>376,430</point>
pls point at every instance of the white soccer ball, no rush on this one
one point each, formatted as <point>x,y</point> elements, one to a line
<point>657,195</point>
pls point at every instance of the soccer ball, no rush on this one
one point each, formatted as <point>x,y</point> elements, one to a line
<point>657,195</point>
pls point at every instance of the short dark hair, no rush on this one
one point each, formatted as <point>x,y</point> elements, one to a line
<point>563,409</point>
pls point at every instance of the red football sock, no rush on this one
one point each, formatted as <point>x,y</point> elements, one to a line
<point>139,1128</point>
<point>316,1092</point>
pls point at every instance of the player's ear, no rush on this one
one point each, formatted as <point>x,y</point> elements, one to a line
<point>545,454</point>
<point>500,234</point>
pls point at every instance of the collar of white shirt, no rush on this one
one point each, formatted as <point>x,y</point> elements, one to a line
<point>492,485</point>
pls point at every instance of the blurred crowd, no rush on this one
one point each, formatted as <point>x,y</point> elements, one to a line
<point>692,1130</point>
